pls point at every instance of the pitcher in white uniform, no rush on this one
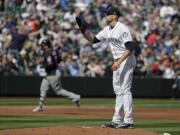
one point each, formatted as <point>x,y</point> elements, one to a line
<point>119,38</point>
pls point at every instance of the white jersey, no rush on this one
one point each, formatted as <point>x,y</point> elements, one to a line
<point>116,37</point>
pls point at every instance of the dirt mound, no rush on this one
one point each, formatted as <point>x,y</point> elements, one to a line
<point>76,131</point>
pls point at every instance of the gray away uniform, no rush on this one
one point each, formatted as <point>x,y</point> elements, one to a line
<point>52,80</point>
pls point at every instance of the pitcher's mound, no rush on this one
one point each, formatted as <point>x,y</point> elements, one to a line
<point>81,130</point>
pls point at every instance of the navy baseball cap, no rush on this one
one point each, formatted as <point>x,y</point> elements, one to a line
<point>110,10</point>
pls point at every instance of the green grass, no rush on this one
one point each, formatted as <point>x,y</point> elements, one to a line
<point>146,103</point>
<point>157,103</point>
<point>11,122</point>
<point>8,122</point>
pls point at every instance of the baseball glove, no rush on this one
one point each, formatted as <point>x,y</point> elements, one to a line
<point>82,24</point>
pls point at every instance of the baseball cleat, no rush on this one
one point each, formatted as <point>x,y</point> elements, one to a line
<point>78,103</point>
<point>38,109</point>
<point>126,125</point>
<point>110,125</point>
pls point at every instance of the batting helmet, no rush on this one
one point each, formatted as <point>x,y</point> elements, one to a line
<point>45,43</point>
<point>110,10</point>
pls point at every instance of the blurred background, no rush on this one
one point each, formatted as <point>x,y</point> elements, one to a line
<point>155,25</point>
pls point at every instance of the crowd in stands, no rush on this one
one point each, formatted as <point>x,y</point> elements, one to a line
<point>24,24</point>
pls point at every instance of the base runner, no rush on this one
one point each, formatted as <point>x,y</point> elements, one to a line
<point>48,67</point>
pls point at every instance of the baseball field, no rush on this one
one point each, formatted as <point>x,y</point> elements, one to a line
<point>61,117</point>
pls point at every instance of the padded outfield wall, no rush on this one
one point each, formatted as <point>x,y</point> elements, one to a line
<point>87,87</point>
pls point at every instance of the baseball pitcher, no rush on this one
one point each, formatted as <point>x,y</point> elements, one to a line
<point>49,62</point>
<point>122,47</point>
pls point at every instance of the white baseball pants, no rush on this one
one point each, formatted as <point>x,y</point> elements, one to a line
<point>122,82</point>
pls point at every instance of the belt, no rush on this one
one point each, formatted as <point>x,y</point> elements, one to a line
<point>53,72</point>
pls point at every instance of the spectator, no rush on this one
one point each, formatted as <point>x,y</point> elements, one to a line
<point>2,5</point>
<point>24,25</point>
